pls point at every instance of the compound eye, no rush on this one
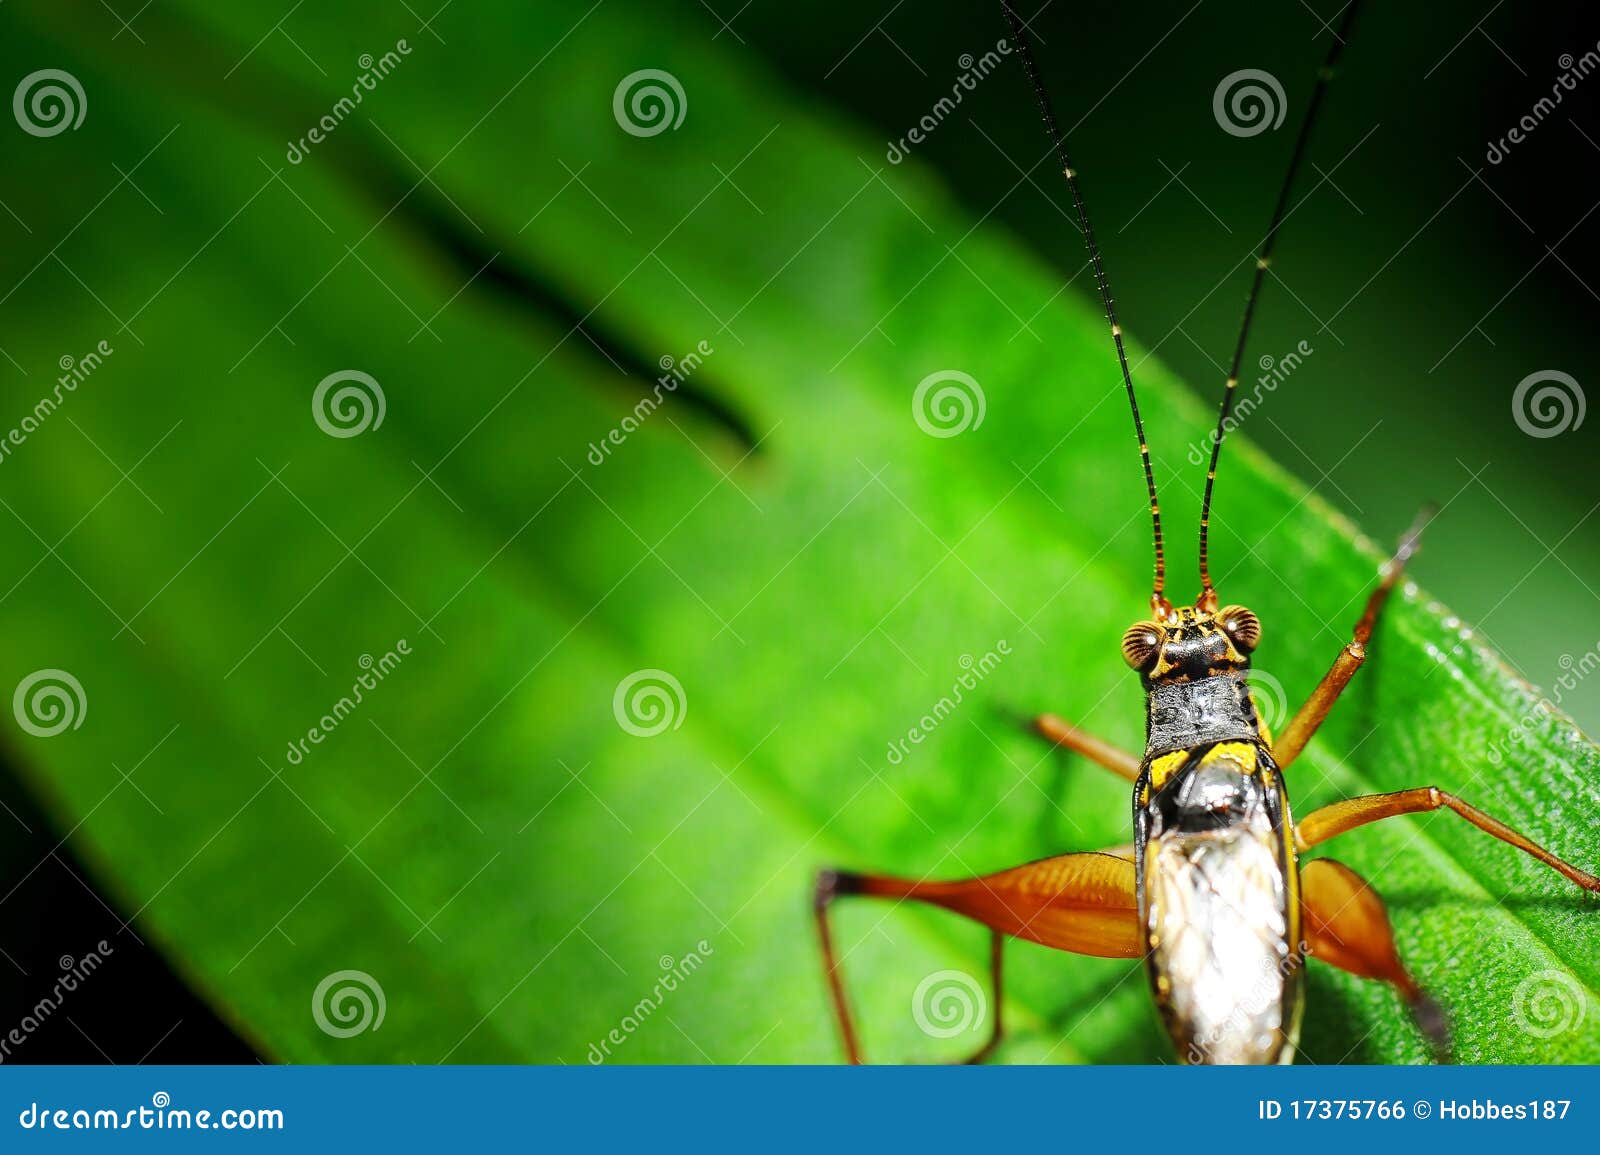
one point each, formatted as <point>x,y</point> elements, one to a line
<point>1242,626</point>
<point>1142,644</point>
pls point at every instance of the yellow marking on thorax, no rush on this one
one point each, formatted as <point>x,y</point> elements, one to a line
<point>1163,767</point>
<point>1241,754</point>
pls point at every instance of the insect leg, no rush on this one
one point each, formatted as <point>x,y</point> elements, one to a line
<point>1084,903</point>
<point>1098,751</point>
<point>1311,715</point>
<point>1347,926</point>
<point>1331,821</point>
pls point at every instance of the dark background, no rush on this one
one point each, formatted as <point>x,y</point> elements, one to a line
<point>1428,281</point>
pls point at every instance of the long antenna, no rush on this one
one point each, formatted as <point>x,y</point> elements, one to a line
<point>1208,593</point>
<point>1019,32</point>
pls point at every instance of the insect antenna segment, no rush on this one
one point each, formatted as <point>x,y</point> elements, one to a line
<point>1208,593</point>
<point>1158,601</point>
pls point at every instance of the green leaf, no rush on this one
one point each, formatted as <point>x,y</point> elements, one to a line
<point>479,834</point>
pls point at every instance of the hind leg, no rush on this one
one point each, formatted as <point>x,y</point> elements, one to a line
<point>1347,926</point>
<point>1083,903</point>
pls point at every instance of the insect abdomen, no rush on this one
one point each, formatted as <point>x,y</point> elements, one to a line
<point>1220,904</point>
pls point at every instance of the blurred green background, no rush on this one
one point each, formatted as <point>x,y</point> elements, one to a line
<point>481,237</point>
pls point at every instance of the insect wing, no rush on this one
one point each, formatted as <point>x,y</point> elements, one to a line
<point>1220,910</point>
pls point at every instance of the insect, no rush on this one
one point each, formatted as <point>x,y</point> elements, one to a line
<point>1211,893</point>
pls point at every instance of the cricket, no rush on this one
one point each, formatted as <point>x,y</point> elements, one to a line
<point>1211,893</point>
